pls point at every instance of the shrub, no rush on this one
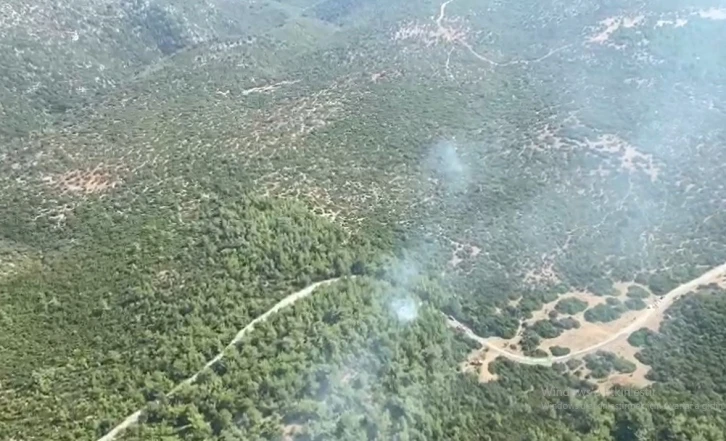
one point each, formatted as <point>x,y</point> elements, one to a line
<point>571,306</point>
<point>559,351</point>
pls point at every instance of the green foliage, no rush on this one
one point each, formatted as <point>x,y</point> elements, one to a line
<point>193,109</point>
<point>530,341</point>
<point>558,351</point>
<point>334,10</point>
<point>602,287</point>
<point>604,313</point>
<point>574,363</point>
<point>635,304</point>
<point>613,301</point>
<point>661,283</point>
<point>689,349</point>
<point>566,323</point>
<point>571,306</point>
<point>637,292</point>
<point>602,363</point>
<point>545,329</point>
<point>641,337</point>
<point>155,22</point>
<point>125,299</point>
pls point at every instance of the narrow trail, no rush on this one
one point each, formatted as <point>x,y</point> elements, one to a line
<point>450,35</point>
<point>711,276</point>
<point>284,303</point>
<point>442,12</point>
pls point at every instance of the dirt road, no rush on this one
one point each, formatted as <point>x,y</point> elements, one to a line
<point>712,276</point>
<point>284,303</point>
<point>454,36</point>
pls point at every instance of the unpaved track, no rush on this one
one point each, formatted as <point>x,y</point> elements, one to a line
<point>709,277</point>
<point>443,30</point>
<point>712,276</point>
<point>284,303</point>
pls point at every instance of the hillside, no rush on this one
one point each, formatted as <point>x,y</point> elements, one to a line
<point>541,172</point>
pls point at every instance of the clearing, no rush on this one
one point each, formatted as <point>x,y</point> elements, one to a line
<point>590,337</point>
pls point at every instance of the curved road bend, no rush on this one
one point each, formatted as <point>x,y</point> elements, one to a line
<point>711,276</point>
<point>284,303</point>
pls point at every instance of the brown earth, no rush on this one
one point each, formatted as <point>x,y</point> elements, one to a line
<point>590,337</point>
<point>88,181</point>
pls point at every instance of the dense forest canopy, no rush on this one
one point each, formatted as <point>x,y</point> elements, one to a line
<point>362,220</point>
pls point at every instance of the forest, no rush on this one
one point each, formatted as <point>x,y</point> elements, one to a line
<point>171,171</point>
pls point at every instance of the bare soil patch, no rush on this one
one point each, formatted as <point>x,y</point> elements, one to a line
<point>631,159</point>
<point>581,339</point>
<point>611,337</point>
<point>269,88</point>
<point>625,156</point>
<point>289,431</point>
<point>588,333</point>
<point>89,181</point>
<point>586,296</point>
<point>478,362</point>
<point>622,348</point>
<point>611,25</point>
<point>462,252</point>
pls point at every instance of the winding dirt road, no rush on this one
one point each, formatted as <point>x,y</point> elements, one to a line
<point>284,303</point>
<point>453,36</point>
<point>711,276</point>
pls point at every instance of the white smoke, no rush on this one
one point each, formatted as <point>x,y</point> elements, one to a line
<point>405,309</point>
<point>446,165</point>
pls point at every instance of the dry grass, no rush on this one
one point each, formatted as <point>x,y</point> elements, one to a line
<point>590,334</point>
